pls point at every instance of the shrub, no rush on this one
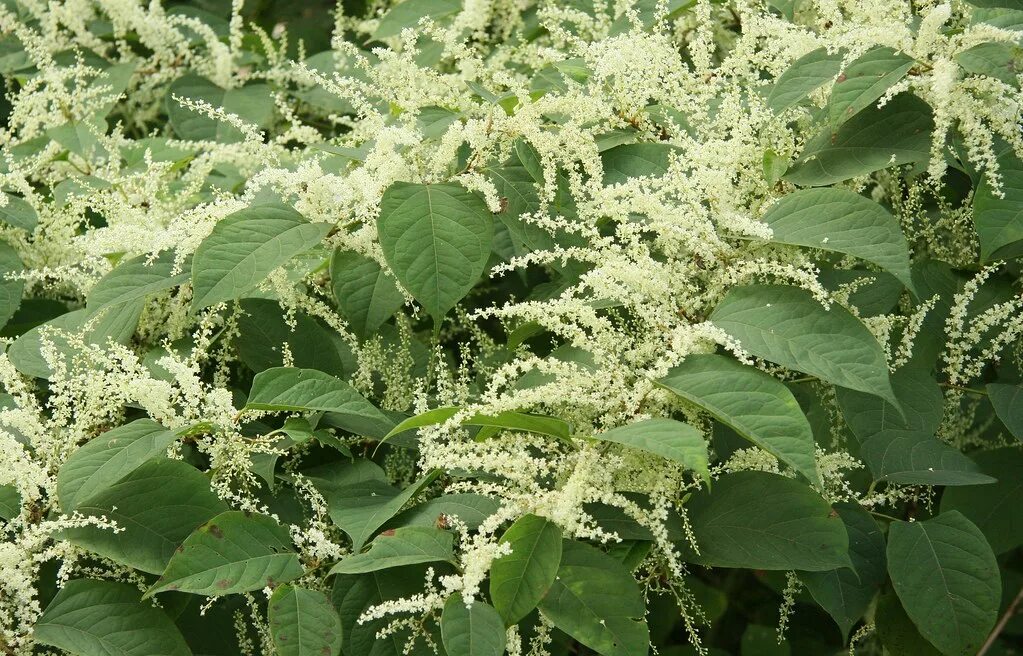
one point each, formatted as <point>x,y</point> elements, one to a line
<point>500,326</point>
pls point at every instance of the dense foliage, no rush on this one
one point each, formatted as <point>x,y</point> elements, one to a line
<point>535,327</point>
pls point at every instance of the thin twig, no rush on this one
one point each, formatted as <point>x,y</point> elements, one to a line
<point>1002,621</point>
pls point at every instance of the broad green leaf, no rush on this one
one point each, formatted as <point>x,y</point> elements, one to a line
<point>428,418</point>
<point>514,421</point>
<point>807,73</point>
<point>595,600</point>
<point>473,631</point>
<point>106,459</point>
<point>290,389</point>
<point>759,520</point>
<point>263,331</point>
<point>874,139</point>
<point>517,187</point>
<point>407,14</point>
<point>10,502</point>
<point>436,240</point>
<point>527,423</point>
<point>116,322</point>
<point>754,404</point>
<point>993,508</point>
<point>998,60</point>
<point>470,509</point>
<point>402,546</point>
<point>903,448</point>
<point>865,80</point>
<point>519,580</point>
<point>366,295</point>
<point>843,221</point>
<point>10,290</point>
<point>947,579</point>
<point>360,509</point>
<point>233,552</point>
<point>846,593</point>
<point>103,618</point>
<point>253,104</point>
<point>156,507</point>
<point>19,213</point>
<point>303,622</point>
<point>915,458</point>
<point>670,439</point>
<point>874,292</point>
<point>788,326</point>
<point>245,247</point>
<point>897,632</point>
<point>354,594</point>
<point>1008,404</point>
<point>133,280</point>
<point>630,161</point>
<point>998,214</point>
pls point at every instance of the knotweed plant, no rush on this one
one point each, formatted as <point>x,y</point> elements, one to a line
<point>535,327</point>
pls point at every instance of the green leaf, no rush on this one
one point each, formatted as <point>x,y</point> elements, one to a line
<point>156,507</point>
<point>233,552</point>
<point>354,594</point>
<point>595,600</point>
<point>514,421</point>
<point>897,632</point>
<point>360,509</point>
<point>997,60</point>
<point>10,290</point>
<point>846,593</point>
<point>133,280</point>
<point>253,104</point>
<point>245,247</point>
<point>470,509</point>
<point>436,239</point>
<point>365,293</point>
<point>754,404</point>
<point>993,508</point>
<point>517,186</point>
<point>874,139</point>
<point>519,580</point>
<point>407,14</point>
<point>670,439</point>
<point>788,326</point>
<point>1008,404</point>
<point>903,448</point>
<point>523,422</point>
<point>117,323</point>
<point>263,331</point>
<point>19,213</point>
<point>630,161</point>
<point>303,623</point>
<point>403,546</point>
<point>999,218</point>
<point>915,458</point>
<point>10,502</point>
<point>103,618</point>
<point>865,80</point>
<point>947,579</point>
<point>807,73</point>
<point>108,458</point>
<point>473,631</point>
<point>758,520</point>
<point>842,221</point>
<point>289,389</point>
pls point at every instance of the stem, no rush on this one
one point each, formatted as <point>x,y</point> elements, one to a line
<point>884,516</point>
<point>964,389</point>
<point>1002,621</point>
